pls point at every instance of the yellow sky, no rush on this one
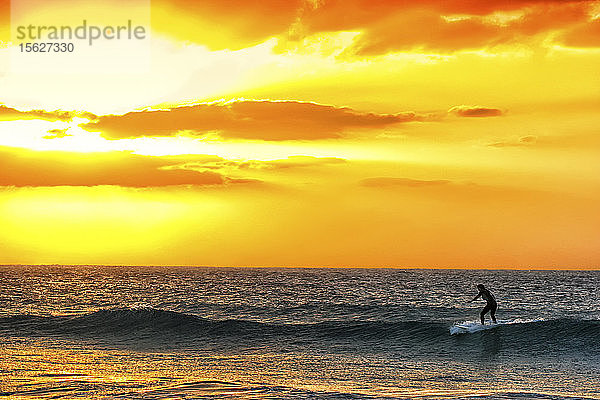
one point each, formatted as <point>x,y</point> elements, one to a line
<point>301,133</point>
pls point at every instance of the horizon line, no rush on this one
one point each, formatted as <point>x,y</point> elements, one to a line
<point>466,268</point>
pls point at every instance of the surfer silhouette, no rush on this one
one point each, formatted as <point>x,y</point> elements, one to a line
<point>491,305</point>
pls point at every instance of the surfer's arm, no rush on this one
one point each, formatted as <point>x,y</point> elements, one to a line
<point>476,297</point>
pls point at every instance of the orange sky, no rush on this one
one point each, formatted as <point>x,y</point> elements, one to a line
<point>305,133</point>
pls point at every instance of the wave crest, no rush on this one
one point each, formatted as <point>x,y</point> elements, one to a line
<point>155,323</point>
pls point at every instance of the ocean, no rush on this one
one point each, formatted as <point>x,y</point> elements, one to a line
<point>90,332</point>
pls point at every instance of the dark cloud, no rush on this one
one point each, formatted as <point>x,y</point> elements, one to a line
<point>442,26</point>
<point>253,120</point>
<point>582,35</point>
<point>385,25</point>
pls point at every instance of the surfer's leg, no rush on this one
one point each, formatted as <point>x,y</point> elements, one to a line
<point>493,313</point>
<point>483,312</point>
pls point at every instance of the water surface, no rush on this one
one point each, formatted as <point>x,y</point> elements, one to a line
<point>158,333</point>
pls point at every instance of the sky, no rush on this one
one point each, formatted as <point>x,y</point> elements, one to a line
<point>355,133</point>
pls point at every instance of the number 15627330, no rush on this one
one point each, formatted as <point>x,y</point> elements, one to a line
<point>45,47</point>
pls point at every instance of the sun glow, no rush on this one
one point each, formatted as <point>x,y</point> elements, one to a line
<point>280,133</point>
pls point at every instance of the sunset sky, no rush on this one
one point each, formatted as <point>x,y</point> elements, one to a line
<point>433,133</point>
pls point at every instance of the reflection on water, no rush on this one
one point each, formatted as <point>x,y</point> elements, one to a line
<point>35,372</point>
<point>491,345</point>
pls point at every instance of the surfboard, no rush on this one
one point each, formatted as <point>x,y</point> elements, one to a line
<point>475,326</point>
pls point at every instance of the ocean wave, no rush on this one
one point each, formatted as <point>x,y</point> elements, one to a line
<point>149,322</point>
<point>126,320</point>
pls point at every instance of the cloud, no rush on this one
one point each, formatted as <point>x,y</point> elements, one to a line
<point>26,168</point>
<point>222,24</point>
<point>4,21</point>
<point>293,162</point>
<point>385,26</point>
<point>441,26</point>
<point>402,182</point>
<point>583,35</point>
<point>57,134</point>
<point>524,141</point>
<point>9,113</point>
<point>287,163</point>
<point>475,111</point>
<point>246,119</point>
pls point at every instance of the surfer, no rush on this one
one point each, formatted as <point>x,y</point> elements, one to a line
<point>491,305</point>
